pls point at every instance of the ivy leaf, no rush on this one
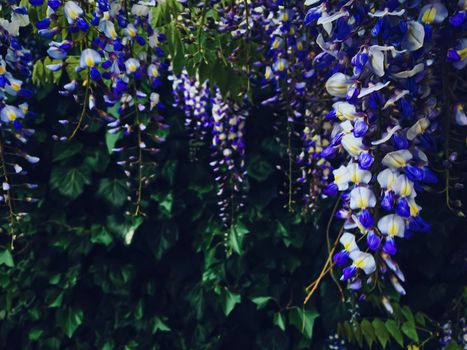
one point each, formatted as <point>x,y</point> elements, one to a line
<point>35,333</point>
<point>97,161</point>
<point>165,201</point>
<point>236,237</point>
<point>6,258</point>
<point>57,301</point>
<point>114,191</point>
<point>168,171</point>
<point>158,324</point>
<point>166,238</point>
<point>69,320</point>
<point>229,300</point>
<point>64,151</point>
<point>368,332</point>
<point>393,329</point>
<point>303,320</point>
<point>100,235</point>
<point>261,302</point>
<point>111,140</point>
<point>381,332</point>
<point>259,169</point>
<point>70,182</point>
<point>279,320</point>
<point>408,328</point>
<point>124,229</point>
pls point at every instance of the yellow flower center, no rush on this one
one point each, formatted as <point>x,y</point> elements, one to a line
<point>393,228</point>
<point>89,61</point>
<point>73,14</point>
<point>16,86</point>
<point>11,115</point>
<point>429,15</point>
<point>360,263</point>
<point>462,53</point>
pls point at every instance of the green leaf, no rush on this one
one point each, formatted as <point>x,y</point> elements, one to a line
<point>303,320</point>
<point>368,332</point>
<point>70,182</point>
<point>100,235</point>
<point>6,258</point>
<point>165,201</point>
<point>72,63</point>
<point>167,236</point>
<point>114,191</point>
<point>453,346</point>
<point>130,230</point>
<point>408,328</point>
<point>229,300</point>
<point>97,161</point>
<point>237,234</point>
<point>159,325</point>
<point>279,320</point>
<point>35,334</point>
<point>64,151</point>
<point>408,314</point>
<point>348,331</point>
<point>259,169</point>
<point>381,333</point>
<point>57,302</point>
<point>420,318</point>
<point>357,331</point>
<point>69,320</point>
<point>261,302</point>
<point>393,329</point>
<point>169,170</point>
<point>38,73</point>
<point>111,140</point>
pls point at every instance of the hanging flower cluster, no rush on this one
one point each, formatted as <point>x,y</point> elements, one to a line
<point>285,72</point>
<point>117,62</point>
<point>15,72</point>
<point>386,106</point>
<point>209,113</point>
<point>194,98</point>
<point>228,152</point>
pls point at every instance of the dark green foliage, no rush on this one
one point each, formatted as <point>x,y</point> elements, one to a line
<point>84,276</point>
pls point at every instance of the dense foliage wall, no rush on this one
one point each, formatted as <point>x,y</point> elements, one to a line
<point>77,282</point>
<point>86,270</point>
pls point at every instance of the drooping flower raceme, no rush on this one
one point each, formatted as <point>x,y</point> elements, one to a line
<point>385,108</point>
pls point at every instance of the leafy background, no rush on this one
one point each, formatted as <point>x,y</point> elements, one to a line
<point>83,277</point>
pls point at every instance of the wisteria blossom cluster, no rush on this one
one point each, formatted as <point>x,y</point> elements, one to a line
<point>286,74</point>
<point>387,99</point>
<point>113,60</point>
<point>15,71</point>
<point>210,115</point>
